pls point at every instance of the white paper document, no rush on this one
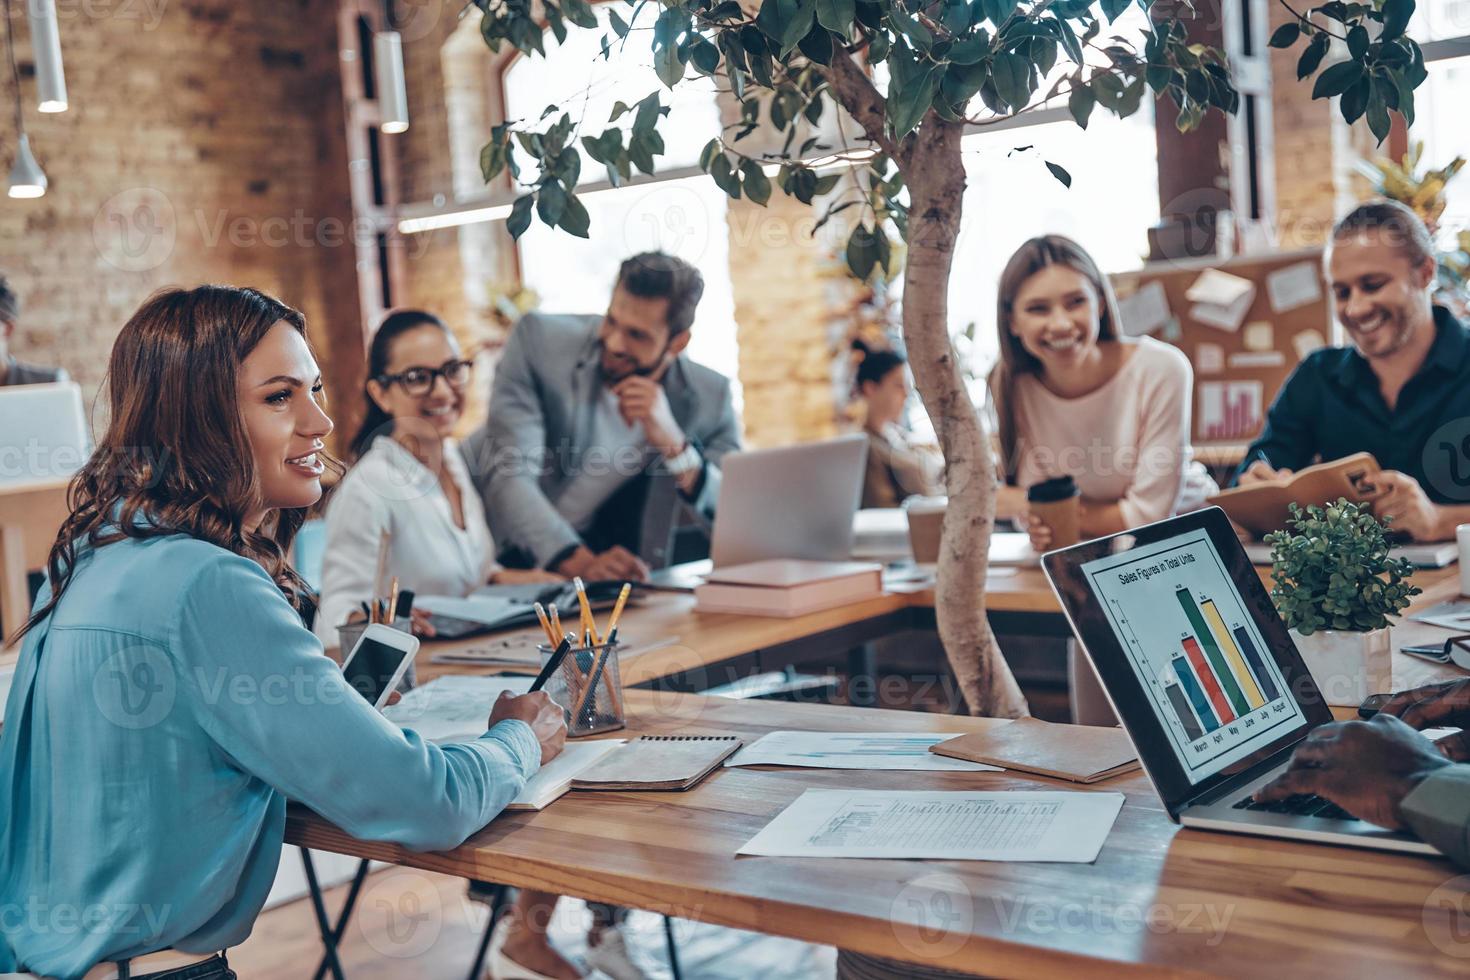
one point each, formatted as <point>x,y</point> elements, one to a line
<point>490,610</point>
<point>1145,311</point>
<point>552,780</point>
<point>1000,826</point>
<point>452,708</point>
<point>853,750</point>
<point>1296,285</point>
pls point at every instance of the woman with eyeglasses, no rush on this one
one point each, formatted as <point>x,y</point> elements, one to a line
<point>409,481</point>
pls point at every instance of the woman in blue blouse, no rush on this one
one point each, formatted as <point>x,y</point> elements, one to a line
<point>168,698</point>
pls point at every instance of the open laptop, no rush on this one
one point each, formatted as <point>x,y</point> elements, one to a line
<point>1204,676</point>
<point>43,432</point>
<point>791,502</point>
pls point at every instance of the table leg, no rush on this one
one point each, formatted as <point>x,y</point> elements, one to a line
<point>331,935</point>
<point>673,950</point>
<point>862,676</point>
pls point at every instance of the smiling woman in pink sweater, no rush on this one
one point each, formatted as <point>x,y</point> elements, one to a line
<point>1075,398</point>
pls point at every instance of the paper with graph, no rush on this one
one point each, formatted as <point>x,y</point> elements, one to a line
<point>853,750</point>
<point>1014,825</point>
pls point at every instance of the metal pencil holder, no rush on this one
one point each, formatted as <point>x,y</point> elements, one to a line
<point>589,688</point>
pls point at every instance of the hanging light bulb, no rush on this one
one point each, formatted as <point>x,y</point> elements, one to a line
<point>27,179</point>
<point>388,75</point>
<point>46,47</point>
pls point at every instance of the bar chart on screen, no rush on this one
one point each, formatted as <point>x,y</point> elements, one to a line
<point>1214,686</point>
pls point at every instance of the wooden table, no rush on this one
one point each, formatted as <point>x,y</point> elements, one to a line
<point>1159,900</point>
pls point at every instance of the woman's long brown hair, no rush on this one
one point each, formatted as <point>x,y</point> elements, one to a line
<point>176,453</point>
<point>1033,256</point>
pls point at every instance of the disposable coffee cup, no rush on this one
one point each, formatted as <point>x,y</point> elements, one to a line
<point>926,525</point>
<point>1057,504</point>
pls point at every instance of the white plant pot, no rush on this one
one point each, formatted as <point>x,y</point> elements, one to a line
<point>1348,666</point>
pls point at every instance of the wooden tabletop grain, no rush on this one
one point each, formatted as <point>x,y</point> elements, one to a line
<point>1159,900</point>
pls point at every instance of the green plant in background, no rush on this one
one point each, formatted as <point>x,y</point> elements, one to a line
<point>1334,571</point>
<point>1425,193</point>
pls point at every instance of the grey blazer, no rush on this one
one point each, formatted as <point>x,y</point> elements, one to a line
<point>21,373</point>
<point>541,410</point>
<point>1438,810</point>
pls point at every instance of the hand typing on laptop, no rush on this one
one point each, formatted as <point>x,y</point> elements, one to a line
<point>1444,705</point>
<point>1365,767</point>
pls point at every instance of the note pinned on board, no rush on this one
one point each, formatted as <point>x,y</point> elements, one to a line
<point>1257,359</point>
<point>1259,335</point>
<point>1221,300</point>
<point>1209,358</point>
<point>1306,342</point>
<point>1294,286</point>
<point>1145,311</point>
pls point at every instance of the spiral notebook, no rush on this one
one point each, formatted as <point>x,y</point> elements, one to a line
<point>659,762</point>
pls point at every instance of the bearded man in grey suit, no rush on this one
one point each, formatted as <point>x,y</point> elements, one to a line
<point>601,427</point>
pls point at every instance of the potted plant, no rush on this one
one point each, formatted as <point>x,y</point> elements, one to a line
<point>1336,586</point>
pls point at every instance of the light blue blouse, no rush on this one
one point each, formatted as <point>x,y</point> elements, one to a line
<point>158,721</point>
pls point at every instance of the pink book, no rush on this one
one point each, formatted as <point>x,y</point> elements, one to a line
<point>788,587</point>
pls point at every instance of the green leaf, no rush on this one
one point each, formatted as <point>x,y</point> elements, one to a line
<point>1113,9</point>
<point>1080,103</point>
<point>520,215</point>
<point>619,26</point>
<point>1355,100</point>
<point>492,160</point>
<point>1396,15</point>
<point>1059,173</point>
<point>667,66</point>
<point>910,28</point>
<point>579,12</point>
<point>1312,56</point>
<point>574,218</point>
<point>817,45</point>
<point>971,50</point>
<point>707,155</point>
<point>550,203</point>
<point>961,82</point>
<point>706,56</point>
<point>825,184</point>
<point>756,184</point>
<point>1337,79</point>
<point>837,15</point>
<point>786,22</point>
<point>1286,35</point>
<point>1406,98</point>
<point>1069,41</point>
<point>862,251</point>
<point>1011,74</point>
<point>1378,121</point>
<point>999,11</point>
<point>1357,42</point>
<point>726,10</point>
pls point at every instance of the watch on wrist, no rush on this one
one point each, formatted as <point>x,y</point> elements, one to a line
<point>686,461</point>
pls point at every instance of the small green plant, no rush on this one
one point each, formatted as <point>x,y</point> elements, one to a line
<point>1334,571</point>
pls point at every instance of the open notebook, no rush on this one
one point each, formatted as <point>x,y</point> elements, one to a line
<point>659,762</point>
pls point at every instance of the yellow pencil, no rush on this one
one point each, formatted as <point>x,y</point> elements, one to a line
<point>393,602</point>
<point>588,625</point>
<point>612,624</point>
<point>546,624</point>
<point>556,622</point>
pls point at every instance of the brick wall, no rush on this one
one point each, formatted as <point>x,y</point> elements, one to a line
<point>203,144</point>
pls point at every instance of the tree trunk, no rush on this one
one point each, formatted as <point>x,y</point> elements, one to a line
<point>935,176</point>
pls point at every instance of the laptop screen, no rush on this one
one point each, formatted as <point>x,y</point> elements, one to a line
<point>1193,655</point>
<point>1196,652</point>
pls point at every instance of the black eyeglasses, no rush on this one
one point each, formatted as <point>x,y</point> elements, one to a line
<point>420,380</point>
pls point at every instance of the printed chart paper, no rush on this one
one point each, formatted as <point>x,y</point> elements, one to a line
<point>452,708</point>
<point>1229,409</point>
<point>1000,826</point>
<point>853,750</point>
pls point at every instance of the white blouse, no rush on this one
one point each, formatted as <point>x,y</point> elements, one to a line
<point>390,490</point>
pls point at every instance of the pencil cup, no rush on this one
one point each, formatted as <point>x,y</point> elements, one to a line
<point>589,688</point>
<point>348,633</point>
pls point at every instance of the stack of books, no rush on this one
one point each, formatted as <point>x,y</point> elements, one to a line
<point>788,587</point>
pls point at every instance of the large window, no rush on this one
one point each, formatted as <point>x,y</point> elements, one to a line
<point>1443,26</point>
<point>684,217</point>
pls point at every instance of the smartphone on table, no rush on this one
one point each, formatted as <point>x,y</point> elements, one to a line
<point>378,662</point>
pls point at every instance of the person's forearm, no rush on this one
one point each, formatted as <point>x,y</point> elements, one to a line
<point>1098,519</point>
<point>1450,517</point>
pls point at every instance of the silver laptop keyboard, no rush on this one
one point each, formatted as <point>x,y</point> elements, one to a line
<point>1298,806</point>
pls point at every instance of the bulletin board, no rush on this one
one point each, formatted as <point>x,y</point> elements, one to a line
<point>1243,343</point>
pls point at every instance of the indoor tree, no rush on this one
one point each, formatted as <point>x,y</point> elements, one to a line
<point>950,64</point>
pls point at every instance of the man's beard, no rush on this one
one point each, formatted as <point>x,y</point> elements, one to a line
<point>640,370</point>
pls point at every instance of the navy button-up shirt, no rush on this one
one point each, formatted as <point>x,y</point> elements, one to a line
<point>1331,407</point>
